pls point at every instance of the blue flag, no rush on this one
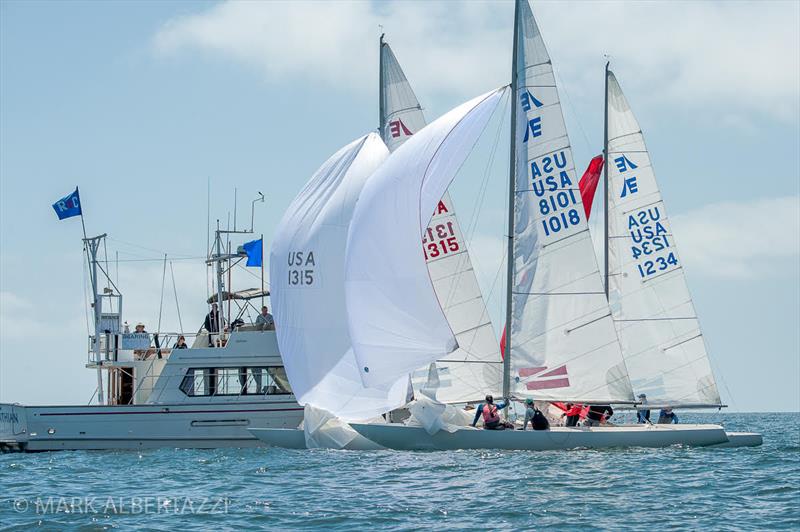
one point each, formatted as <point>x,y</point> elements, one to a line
<point>68,206</point>
<point>255,252</point>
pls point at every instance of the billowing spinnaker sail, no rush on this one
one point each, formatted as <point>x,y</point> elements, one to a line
<point>396,322</point>
<point>474,369</point>
<point>563,341</point>
<point>307,284</point>
<point>659,330</point>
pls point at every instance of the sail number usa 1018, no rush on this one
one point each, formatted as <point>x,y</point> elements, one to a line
<point>558,203</point>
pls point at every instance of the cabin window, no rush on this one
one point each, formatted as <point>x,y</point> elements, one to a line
<point>235,381</point>
<point>228,381</point>
<point>199,381</point>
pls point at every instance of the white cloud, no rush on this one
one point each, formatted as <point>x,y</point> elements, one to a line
<point>728,57</point>
<point>741,239</point>
<point>727,240</point>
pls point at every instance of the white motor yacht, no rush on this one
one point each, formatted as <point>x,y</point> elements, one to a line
<point>203,394</point>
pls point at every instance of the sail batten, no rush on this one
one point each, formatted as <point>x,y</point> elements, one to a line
<point>449,265</point>
<point>662,343</point>
<point>564,345</point>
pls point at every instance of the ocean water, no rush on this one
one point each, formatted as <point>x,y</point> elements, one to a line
<point>632,489</point>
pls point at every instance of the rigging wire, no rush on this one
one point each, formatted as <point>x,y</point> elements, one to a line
<point>85,278</point>
<point>159,259</point>
<point>572,109</point>
<point>175,291</point>
<point>161,300</point>
<point>473,221</point>
<point>105,256</point>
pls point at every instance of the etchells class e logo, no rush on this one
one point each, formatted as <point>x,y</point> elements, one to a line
<point>397,128</point>
<point>534,127</point>
<point>629,184</point>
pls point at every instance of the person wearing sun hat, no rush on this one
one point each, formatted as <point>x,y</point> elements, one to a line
<point>642,415</point>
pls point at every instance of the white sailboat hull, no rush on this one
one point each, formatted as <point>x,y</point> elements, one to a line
<point>742,439</point>
<point>401,437</point>
<point>296,439</point>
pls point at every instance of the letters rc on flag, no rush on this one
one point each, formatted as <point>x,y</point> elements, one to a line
<point>68,206</point>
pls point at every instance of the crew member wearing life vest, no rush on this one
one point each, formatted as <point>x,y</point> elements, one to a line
<point>573,414</point>
<point>490,413</point>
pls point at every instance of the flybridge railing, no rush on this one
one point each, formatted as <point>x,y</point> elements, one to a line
<point>129,347</point>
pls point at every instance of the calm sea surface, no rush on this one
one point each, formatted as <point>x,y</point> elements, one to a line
<point>637,489</point>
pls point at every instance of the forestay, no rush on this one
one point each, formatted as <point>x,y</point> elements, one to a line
<point>307,282</point>
<point>563,342</point>
<point>474,369</point>
<point>661,340</point>
<point>396,322</point>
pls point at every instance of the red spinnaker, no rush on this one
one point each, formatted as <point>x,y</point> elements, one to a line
<point>588,183</point>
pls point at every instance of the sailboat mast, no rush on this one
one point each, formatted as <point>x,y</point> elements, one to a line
<point>606,186</point>
<point>512,165</point>
<point>381,109</point>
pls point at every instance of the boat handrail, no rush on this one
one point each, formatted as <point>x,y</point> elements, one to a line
<point>250,381</point>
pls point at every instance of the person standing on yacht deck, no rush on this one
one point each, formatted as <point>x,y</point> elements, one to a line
<point>212,324</point>
<point>264,321</point>
<point>643,416</point>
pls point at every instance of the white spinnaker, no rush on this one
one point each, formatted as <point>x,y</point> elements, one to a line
<point>474,369</point>
<point>563,342</point>
<point>396,322</point>
<point>661,339</point>
<point>307,284</point>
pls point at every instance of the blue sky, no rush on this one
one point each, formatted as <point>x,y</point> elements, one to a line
<point>143,103</point>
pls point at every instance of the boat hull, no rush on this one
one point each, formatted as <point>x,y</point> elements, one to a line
<point>296,439</point>
<point>742,439</point>
<point>201,426</point>
<point>402,437</point>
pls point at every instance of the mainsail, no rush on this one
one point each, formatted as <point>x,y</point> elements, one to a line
<point>474,369</point>
<point>661,339</point>
<point>396,321</point>
<point>564,345</point>
<point>307,282</point>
